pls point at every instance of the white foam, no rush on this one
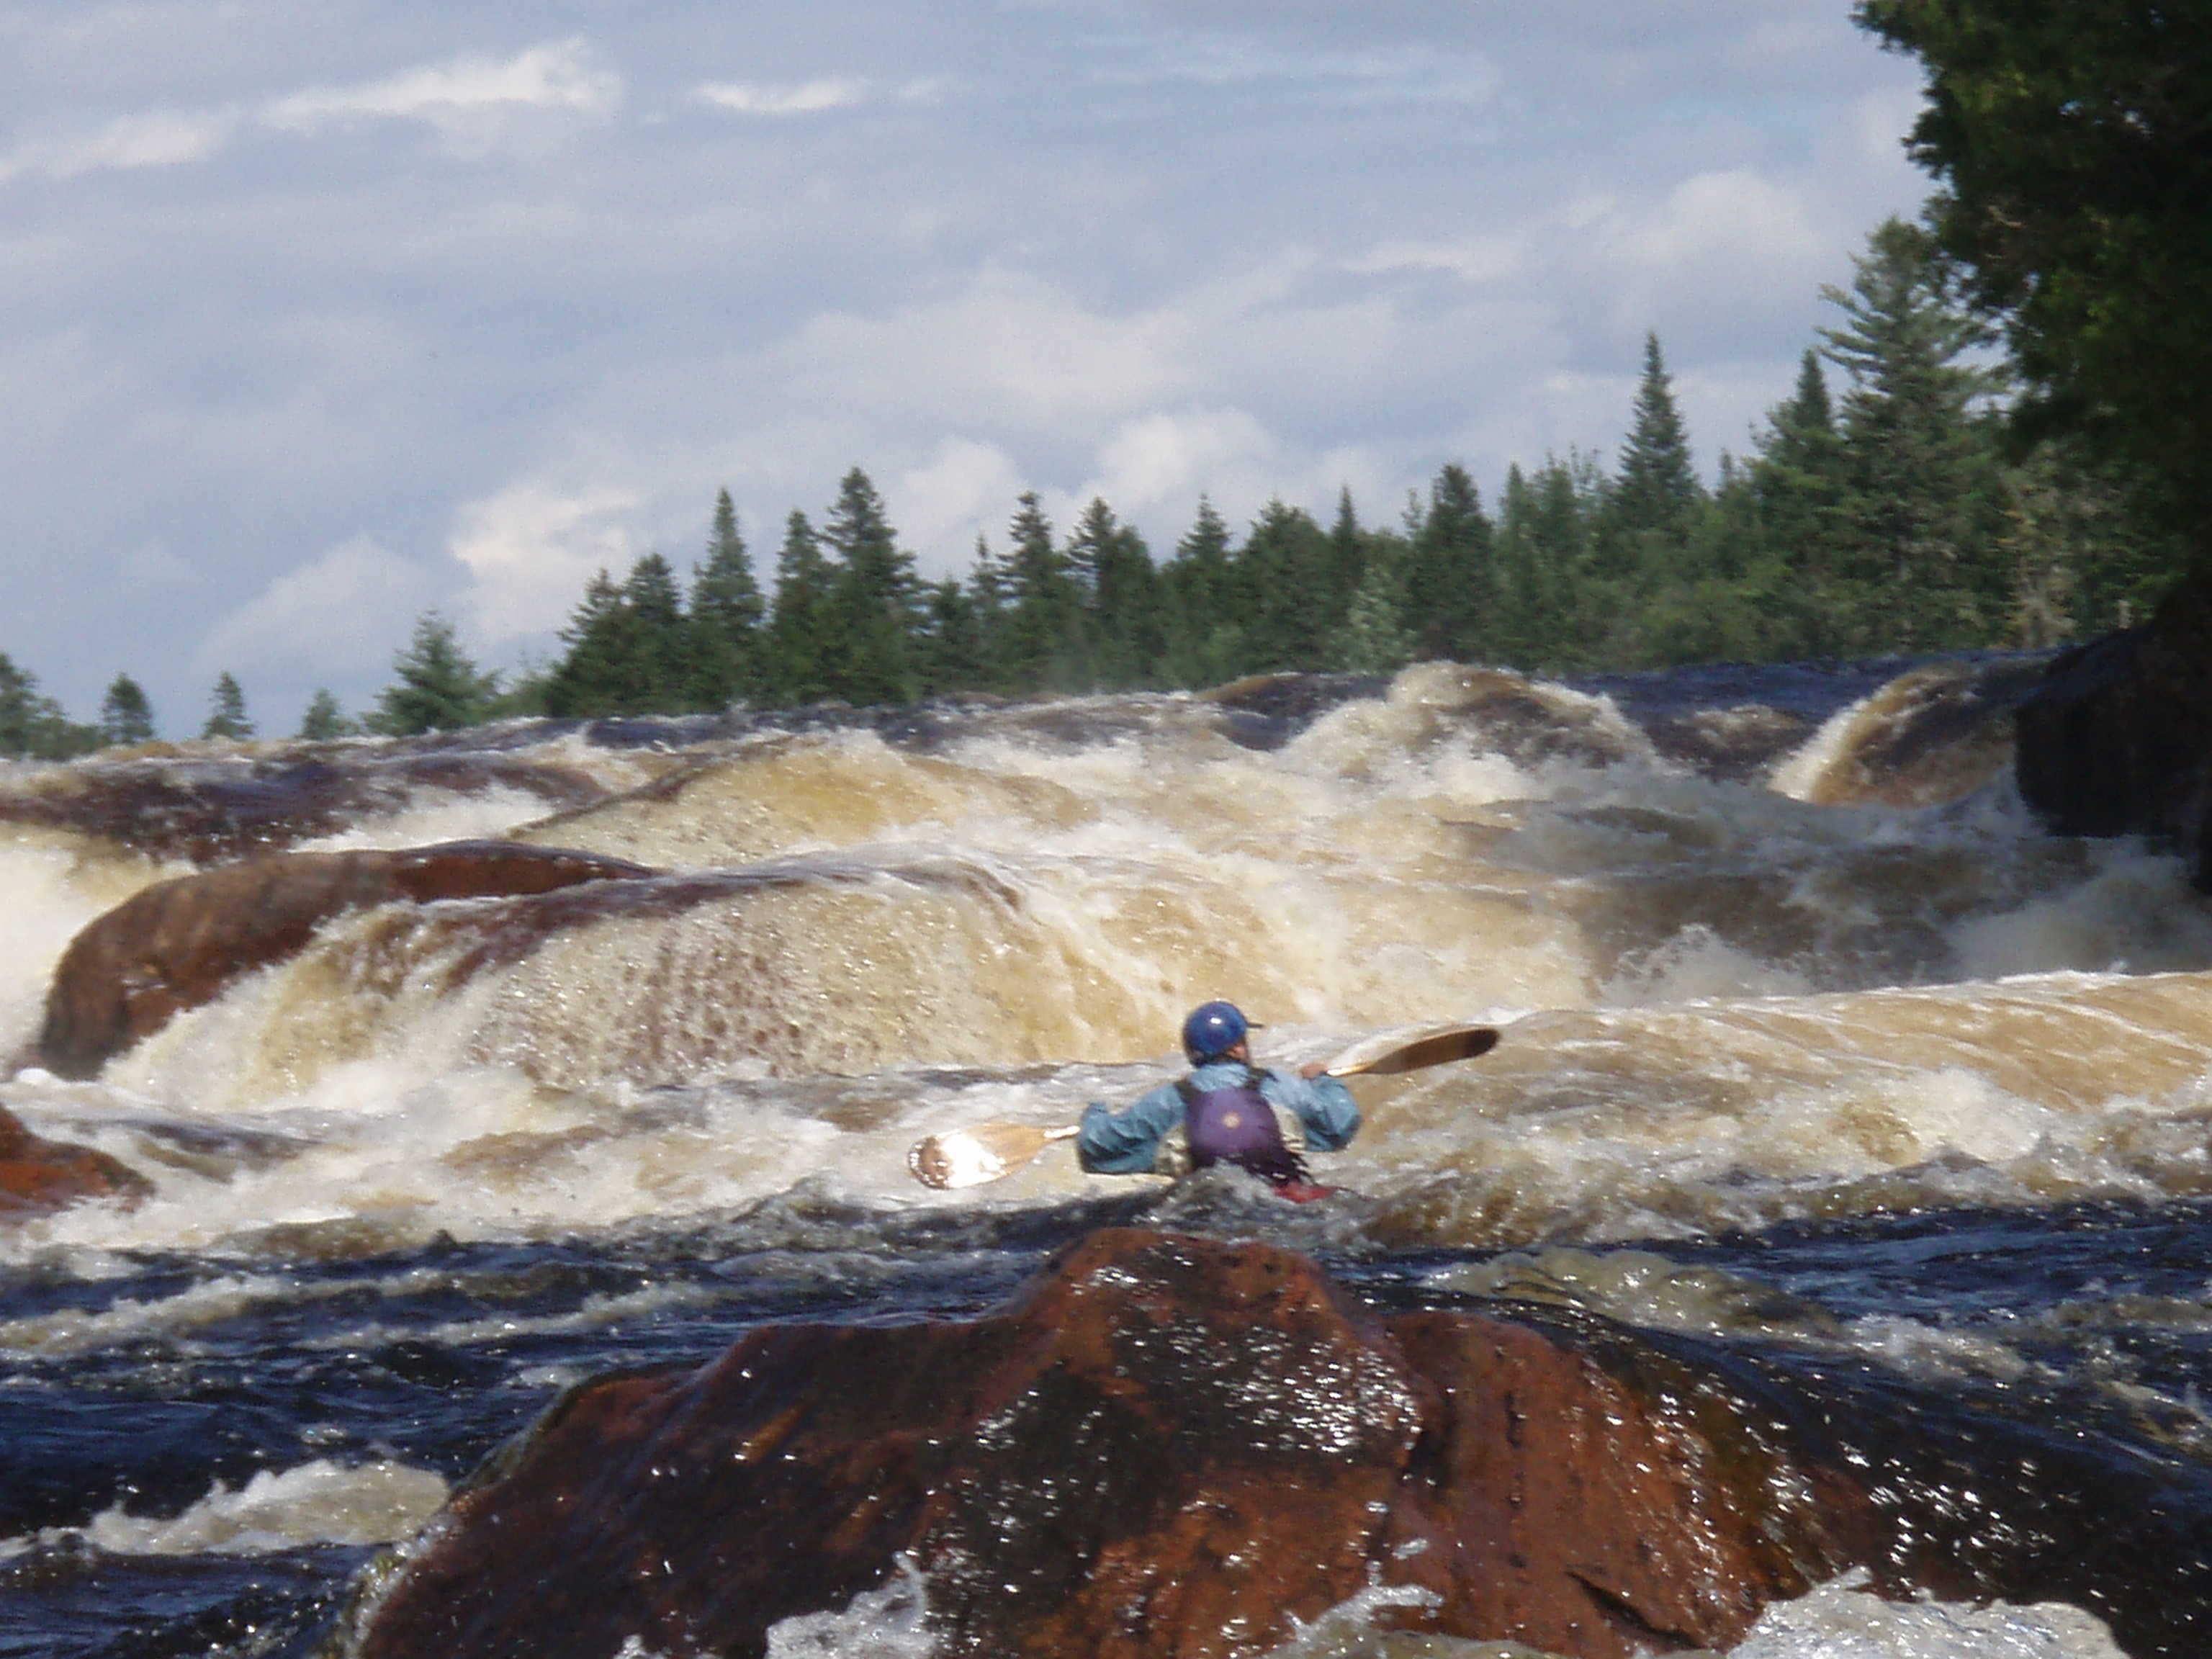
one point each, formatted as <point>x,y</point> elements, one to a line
<point>318,1502</point>
<point>1841,1621</point>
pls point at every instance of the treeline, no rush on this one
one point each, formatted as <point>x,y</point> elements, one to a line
<point>1878,510</point>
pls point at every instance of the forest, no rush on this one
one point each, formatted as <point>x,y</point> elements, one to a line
<point>1890,504</point>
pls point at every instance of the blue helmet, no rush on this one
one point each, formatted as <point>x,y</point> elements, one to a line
<point>1212,1029</point>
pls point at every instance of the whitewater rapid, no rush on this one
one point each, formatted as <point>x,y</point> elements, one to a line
<point>1733,997</point>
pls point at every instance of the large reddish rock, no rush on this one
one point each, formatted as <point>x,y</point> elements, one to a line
<point>1175,1446</point>
<point>176,944</point>
<point>38,1175</point>
<point>2117,739</point>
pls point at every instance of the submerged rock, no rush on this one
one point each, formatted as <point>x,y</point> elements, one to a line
<point>1172,1445</point>
<point>178,944</point>
<point>38,1175</point>
<point>2117,739</point>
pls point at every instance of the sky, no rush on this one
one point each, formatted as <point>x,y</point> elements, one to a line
<point>314,318</point>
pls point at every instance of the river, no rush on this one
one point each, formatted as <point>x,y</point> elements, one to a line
<point>1811,1037</point>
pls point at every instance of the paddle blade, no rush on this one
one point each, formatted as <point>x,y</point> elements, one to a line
<point>1437,1049</point>
<point>978,1153</point>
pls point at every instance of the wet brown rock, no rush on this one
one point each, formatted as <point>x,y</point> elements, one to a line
<point>213,809</point>
<point>38,1175</point>
<point>2117,739</point>
<point>1170,1446</point>
<point>178,942</point>
<point>1931,735</point>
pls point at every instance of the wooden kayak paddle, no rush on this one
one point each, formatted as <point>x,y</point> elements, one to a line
<point>990,1152</point>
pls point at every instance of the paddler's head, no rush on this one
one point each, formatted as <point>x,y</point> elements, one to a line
<point>1216,1031</point>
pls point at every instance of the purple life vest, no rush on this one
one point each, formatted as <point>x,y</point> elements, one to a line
<point>1236,1125</point>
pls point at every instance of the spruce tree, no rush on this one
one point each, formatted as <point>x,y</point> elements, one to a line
<point>1289,571</point>
<point>27,720</point>
<point>1041,641</point>
<point>1918,522</point>
<point>870,657</point>
<point>125,715</point>
<point>1798,480</point>
<point>1655,492</point>
<point>226,716</point>
<point>801,624</point>
<point>324,719</point>
<point>726,614</point>
<point>1124,619</point>
<point>1203,606</point>
<point>435,688</point>
<point>656,680</point>
<point>599,673</point>
<point>1449,591</point>
<point>1374,638</point>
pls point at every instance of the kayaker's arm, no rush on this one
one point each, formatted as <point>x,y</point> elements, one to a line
<point>1127,1142</point>
<point>1322,1104</point>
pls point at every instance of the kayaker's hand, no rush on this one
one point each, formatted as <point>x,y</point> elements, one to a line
<point>1312,1069</point>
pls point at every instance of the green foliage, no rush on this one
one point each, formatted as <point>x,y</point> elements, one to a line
<point>2071,143</point>
<point>723,662</point>
<point>324,719</point>
<point>32,725</point>
<point>126,716</point>
<point>437,688</point>
<point>226,716</point>
<point>1449,591</point>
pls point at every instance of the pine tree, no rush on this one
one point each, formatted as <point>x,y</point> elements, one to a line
<point>597,674</point>
<point>727,613</point>
<point>875,597</point>
<point>27,720</point>
<point>1798,480</point>
<point>1124,616</point>
<point>226,716</point>
<point>1449,592</point>
<point>1041,641</point>
<point>125,715</point>
<point>656,679</point>
<point>1290,572</point>
<point>800,626</point>
<point>1923,491</point>
<point>324,719</point>
<point>1203,606</point>
<point>436,687</point>
<point>1375,639</point>
<point>1656,493</point>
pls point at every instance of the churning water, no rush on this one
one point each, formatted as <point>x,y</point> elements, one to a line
<point>1811,1037</point>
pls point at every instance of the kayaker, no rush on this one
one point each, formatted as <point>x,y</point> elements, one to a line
<point>1226,1111</point>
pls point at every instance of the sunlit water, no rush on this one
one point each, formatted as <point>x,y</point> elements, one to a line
<point>1781,1063</point>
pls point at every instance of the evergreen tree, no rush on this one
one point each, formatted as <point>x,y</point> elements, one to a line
<point>1921,468</point>
<point>657,680</point>
<point>125,715</point>
<point>1290,572</point>
<point>226,716</point>
<point>1043,640</point>
<point>1449,579</point>
<point>1347,546</point>
<point>607,646</point>
<point>1655,494</point>
<point>1125,599</point>
<point>801,626</point>
<point>1375,639</point>
<point>1203,606</point>
<point>726,614</point>
<point>324,719</point>
<point>952,653</point>
<point>870,657</point>
<point>436,687</point>
<point>1799,481</point>
<point>29,722</point>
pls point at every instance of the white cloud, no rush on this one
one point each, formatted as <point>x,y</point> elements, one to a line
<point>339,616</point>
<point>462,94</point>
<point>158,138</point>
<point>939,507</point>
<point>801,98</point>
<point>531,548</point>
<point>1472,259</point>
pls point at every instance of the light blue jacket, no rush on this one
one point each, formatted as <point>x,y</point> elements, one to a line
<point>1128,1142</point>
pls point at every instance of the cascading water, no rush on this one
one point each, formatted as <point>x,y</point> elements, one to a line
<point>1772,1044</point>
